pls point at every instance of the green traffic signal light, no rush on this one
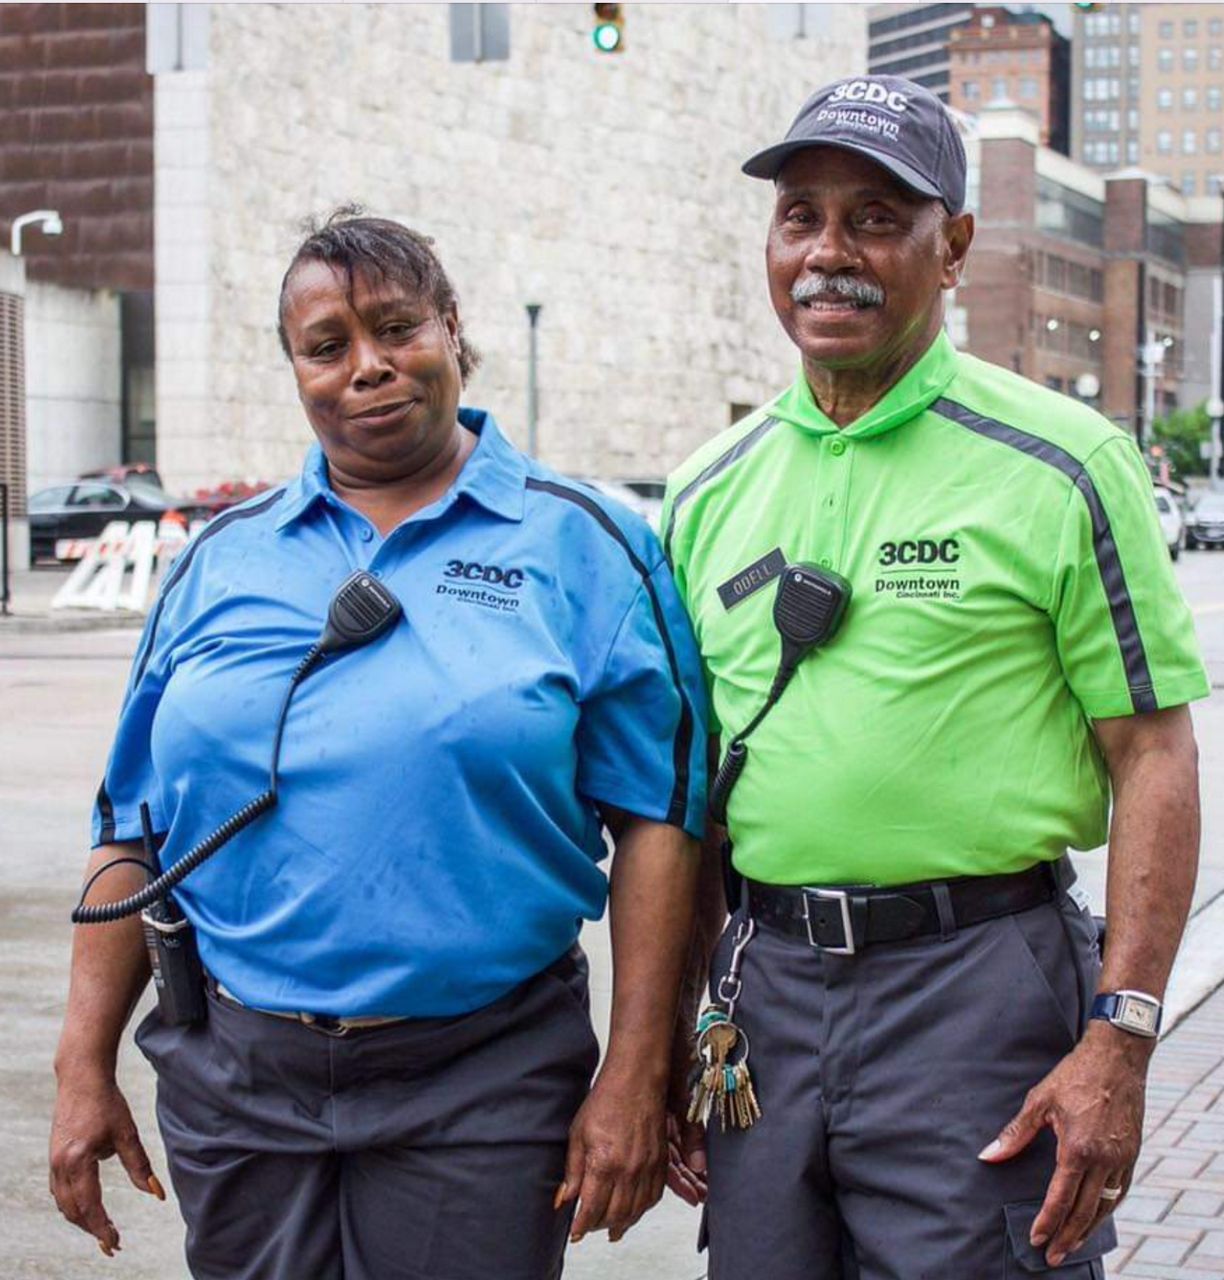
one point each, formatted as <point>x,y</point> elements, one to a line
<point>607,37</point>
<point>608,34</point>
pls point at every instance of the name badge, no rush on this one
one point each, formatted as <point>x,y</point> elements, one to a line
<point>757,575</point>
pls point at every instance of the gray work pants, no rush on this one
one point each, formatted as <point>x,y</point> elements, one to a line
<point>880,1077</point>
<point>425,1150</point>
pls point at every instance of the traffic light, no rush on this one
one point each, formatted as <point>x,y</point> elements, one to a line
<point>1084,7</point>
<point>608,33</point>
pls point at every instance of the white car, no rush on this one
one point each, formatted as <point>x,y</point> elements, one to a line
<point>1171,522</point>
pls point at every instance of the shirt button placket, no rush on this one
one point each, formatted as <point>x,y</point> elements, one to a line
<point>833,503</point>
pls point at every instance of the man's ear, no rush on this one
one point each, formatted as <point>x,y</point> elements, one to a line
<point>958,236</point>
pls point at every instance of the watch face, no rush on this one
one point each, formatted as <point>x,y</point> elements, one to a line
<point>1138,1015</point>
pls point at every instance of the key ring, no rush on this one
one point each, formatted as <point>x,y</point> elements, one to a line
<point>741,1038</point>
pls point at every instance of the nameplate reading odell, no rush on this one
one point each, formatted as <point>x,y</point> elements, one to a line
<point>757,575</point>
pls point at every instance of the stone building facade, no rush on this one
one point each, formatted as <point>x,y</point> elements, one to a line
<point>603,187</point>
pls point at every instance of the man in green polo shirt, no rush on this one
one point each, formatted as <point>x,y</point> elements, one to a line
<point>950,1085</point>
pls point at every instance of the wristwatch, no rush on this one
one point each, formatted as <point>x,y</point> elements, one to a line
<point>1133,1011</point>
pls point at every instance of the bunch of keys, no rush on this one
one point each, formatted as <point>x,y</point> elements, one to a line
<point>722,1087</point>
<point>721,1083</point>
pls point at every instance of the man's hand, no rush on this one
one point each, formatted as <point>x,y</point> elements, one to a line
<point>686,1156</point>
<point>92,1122</point>
<point>617,1160</point>
<point>1093,1100</point>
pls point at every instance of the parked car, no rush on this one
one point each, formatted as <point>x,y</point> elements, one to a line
<point>84,509</point>
<point>1205,524</point>
<point>1171,522</point>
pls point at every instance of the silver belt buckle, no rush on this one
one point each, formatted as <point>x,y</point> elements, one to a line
<point>842,898</point>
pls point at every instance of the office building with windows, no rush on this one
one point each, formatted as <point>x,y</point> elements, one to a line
<point>913,40</point>
<point>1148,81</point>
<point>1019,57</point>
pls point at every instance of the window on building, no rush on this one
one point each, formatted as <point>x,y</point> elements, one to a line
<point>1164,59</point>
<point>1215,183</point>
<point>1189,142</point>
<point>1115,22</point>
<point>1215,27</point>
<point>1132,88</point>
<point>479,32</point>
<point>1164,99</point>
<point>1190,29</point>
<point>1055,271</point>
<point>1189,99</point>
<point>1214,97</point>
<point>1028,87</point>
<point>1212,141</point>
<point>971,90</point>
<point>998,88</point>
<point>1132,55</point>
<point>1215,58</point>
<point>1165,30</point>
<point>1132,151</point>
<point>1189,182</point>
<point>1132,118</point>
<point>1172,299</point>
<point>1189,59</point>
<point>1164,142</point>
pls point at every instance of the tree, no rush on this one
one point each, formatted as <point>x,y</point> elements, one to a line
<point>1181,435</point>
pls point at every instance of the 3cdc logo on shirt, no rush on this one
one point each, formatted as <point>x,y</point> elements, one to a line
<point>492,574</point>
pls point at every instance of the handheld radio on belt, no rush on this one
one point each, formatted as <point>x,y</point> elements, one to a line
<point>808,608</point>
<point>361,610</point>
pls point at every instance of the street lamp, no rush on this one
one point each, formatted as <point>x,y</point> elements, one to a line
<point>49,222</point>
<point>533,386</point>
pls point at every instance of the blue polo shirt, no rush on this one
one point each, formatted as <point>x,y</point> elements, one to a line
<point>437,839</point>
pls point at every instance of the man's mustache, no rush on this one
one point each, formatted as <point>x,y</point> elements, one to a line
<point>861,292</point>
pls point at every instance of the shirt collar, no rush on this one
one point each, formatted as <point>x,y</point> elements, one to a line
<point>904,400</point>
<point>494,475</point>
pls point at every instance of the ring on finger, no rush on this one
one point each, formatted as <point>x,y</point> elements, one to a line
<point>1111,1194</point>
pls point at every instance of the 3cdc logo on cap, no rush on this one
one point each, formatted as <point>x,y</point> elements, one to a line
<point>871,91</point>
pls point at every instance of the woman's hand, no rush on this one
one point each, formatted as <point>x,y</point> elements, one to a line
<point>616,1165</point>
<point>92,1122</point>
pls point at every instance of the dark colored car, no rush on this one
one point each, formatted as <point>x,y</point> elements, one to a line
<point>85,508</point>
<point>1205,524</point>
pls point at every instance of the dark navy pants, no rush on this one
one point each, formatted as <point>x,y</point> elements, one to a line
<point>880,1077</point>
<point>424,1150</point>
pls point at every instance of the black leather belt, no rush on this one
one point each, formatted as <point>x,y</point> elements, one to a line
<point>844,919</point>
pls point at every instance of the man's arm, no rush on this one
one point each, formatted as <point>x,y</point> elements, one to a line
<point>617,1159</point>
<point>1093,1100</point>
<point>686,1172</point>
<point>92,1121</point>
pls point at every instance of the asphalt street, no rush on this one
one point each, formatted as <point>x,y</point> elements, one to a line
<point>59,694</point>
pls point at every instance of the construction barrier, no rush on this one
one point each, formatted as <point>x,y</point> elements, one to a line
<point>116,569</point>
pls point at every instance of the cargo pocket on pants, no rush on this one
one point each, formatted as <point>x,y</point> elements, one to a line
<point>1024,1260</point>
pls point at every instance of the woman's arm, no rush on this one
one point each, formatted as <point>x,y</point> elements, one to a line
<point>92,1121</point>
<point>617,1159</point>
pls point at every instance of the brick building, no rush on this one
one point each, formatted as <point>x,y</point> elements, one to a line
<point>999,55</point>
<point>76,136</point>
<point>1076,279</point>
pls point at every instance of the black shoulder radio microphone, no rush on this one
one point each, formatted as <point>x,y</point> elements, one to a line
<point>359,612</point>
<point>808,608</point>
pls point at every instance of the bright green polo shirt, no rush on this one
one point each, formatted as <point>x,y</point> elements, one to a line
<point>1010,584</point>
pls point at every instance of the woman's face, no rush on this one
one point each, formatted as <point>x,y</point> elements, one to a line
<point>377,371</point>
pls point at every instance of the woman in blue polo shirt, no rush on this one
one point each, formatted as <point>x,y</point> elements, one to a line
<point>392,1079</point>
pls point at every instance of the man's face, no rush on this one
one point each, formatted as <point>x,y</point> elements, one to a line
<point>857,262</point>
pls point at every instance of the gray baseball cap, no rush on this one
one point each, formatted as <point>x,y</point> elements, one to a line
<point>893,121</point>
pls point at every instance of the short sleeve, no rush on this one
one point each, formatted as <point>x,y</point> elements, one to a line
<point>642,727</point>
<point>130,779</point>
<point>1125,635</point>
<point>680,576</point>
